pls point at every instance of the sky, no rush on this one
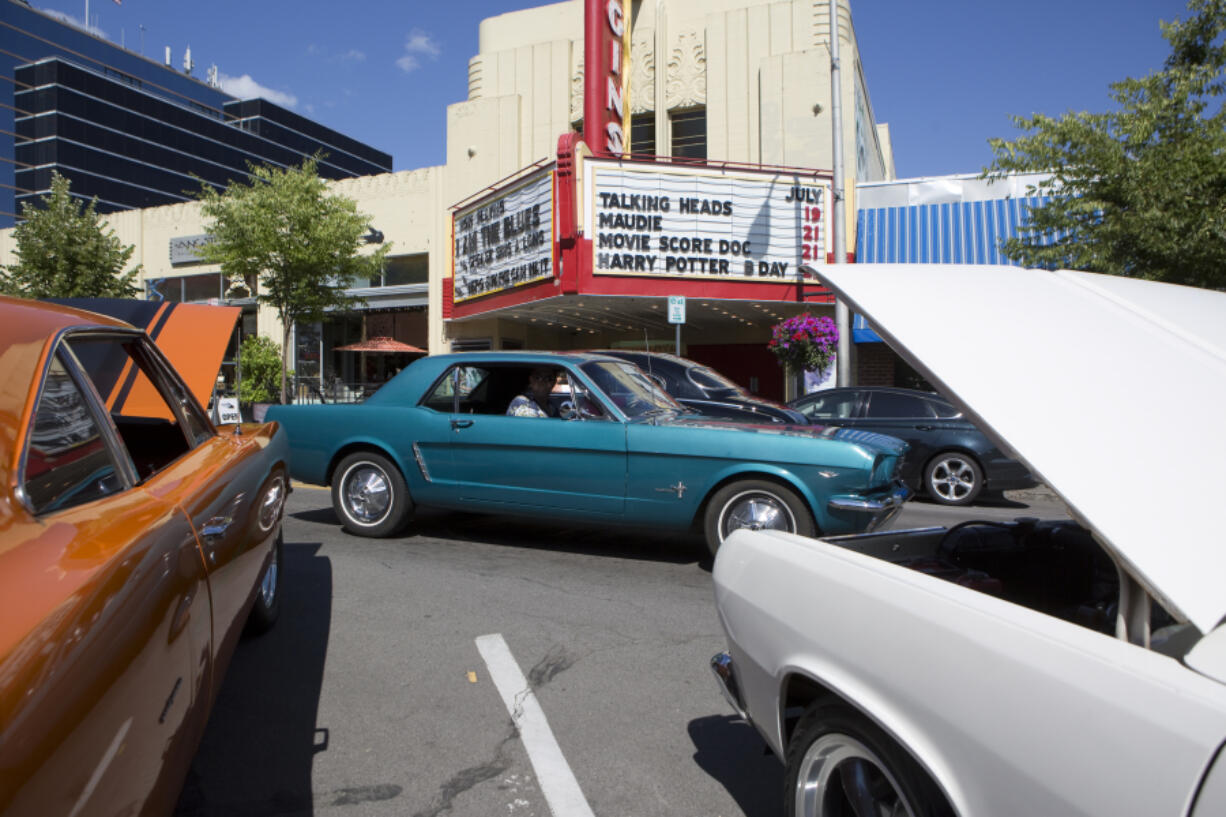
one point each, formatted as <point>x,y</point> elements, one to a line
<point>946,75</point>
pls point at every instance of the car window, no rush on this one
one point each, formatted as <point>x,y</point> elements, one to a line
<point>468,383</point>
<point>630,389</point>
<point>157,419</point>
<point>709,379</point>
<point>892,404</point>
<point>67,461</point>
<point>945,410</point>
<point>837,406</point>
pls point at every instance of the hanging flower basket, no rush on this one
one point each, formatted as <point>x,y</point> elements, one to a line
<point>805,343</point>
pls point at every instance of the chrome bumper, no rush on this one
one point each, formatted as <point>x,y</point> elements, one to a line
<point>883,506</point>
<point>721,666</point>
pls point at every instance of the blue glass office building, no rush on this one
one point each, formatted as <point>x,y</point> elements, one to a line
<point>134,132</point>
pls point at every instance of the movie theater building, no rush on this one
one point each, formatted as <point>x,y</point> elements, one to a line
<point>529,238</point>
<point>723,193</point>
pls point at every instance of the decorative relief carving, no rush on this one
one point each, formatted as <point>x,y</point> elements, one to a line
<point>643,75</point>
<point>687,73</point>
<point>576,92</point>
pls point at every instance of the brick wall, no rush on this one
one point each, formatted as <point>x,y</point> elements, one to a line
<point>875,364</point>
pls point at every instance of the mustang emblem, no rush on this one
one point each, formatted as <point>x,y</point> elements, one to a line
<point>679,488</point>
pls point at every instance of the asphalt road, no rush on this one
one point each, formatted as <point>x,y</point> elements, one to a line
<point>386,686</point>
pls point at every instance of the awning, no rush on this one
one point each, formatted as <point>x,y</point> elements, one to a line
<point>382,344</point>
<point>952,232</point>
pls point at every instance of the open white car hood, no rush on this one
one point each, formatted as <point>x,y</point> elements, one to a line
<point>1112,390</point>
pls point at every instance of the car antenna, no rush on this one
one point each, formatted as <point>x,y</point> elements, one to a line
<point>647,348</point>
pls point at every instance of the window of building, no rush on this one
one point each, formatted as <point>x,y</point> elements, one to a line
<point>689,129</point>
<point>403,269</point>
<point>643,134</point>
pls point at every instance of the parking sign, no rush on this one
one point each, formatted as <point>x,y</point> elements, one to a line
<point>676,309</point>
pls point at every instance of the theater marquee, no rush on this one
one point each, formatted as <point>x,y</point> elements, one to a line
<point>506,241</point>
<point>697,223</point>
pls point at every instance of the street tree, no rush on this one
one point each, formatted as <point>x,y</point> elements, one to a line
<point>63,251</point>
<point>1140,190</point>
<point>284,229</point>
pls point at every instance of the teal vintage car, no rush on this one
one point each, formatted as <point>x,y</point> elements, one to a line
<point>610,447</point>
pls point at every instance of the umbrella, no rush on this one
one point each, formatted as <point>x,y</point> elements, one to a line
<point>382,344</point>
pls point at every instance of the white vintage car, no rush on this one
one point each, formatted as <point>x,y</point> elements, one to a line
<point>1026,668</point>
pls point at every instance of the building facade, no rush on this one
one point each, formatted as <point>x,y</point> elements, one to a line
<point>134,132</point>
<point>719,89</point>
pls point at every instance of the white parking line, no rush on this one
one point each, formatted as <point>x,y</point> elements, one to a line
<point>558,782</point>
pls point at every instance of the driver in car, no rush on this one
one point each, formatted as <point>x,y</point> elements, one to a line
<point>535,401</point>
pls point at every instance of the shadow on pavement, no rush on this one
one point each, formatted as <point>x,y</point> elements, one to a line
<point>735,756</point>
<point>520,532</point>
<point>257,751</point>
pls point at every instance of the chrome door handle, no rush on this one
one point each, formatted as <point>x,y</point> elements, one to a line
<point>215,529</point>
<point>458,424</point>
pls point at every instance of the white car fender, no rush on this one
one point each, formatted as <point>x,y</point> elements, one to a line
<point>1056,723</point>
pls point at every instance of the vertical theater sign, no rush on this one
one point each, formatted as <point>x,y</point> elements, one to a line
<point>606,88</point>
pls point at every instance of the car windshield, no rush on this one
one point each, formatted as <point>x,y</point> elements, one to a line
<point>629,388</point>
<point>711,380</point>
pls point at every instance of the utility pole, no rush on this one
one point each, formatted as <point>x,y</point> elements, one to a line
<point>842,316</point>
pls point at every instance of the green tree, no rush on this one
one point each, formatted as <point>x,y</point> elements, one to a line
<point>259,366</point>
<point>1141,190</point>
<point>62,251</point>
<point>301,243</point>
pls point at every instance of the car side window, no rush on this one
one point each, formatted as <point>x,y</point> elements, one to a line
<point>890,404</point>
<point>67,461</point>
<point>944,410</point>
<point>841,406</point>
<point>157,419</point>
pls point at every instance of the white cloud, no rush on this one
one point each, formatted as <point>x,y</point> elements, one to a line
<point>245,87</point>
<point>75,22</point>
<point>418,43</point>
<point>354,55</point>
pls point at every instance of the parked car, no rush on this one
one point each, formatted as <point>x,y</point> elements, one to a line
<point>706,391</point>
<point>138,542</point>
<point>1012,668</point>
<point>621,451</point>
<point>950,460</point>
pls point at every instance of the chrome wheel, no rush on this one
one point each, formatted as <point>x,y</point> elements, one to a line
<point>839,775</point>
<point>755,504</point>
<point>367,493</point>
<point>370,496</point>
<point>268,585</point>
<point>755,510</point>
<point>954,479</point>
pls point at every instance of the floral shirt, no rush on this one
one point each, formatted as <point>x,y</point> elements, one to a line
<point>525,406</point>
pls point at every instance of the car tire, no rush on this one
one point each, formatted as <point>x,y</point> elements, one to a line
<point>838,763</point>
<point>370,496</point>
<point>267,606</point>
<point>953,478</point>
<point>755,504</point>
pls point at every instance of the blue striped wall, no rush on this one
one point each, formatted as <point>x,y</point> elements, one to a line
<point>951,233</point>
<point>967,232</point>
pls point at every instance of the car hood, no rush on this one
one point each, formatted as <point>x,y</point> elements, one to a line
<point>883,442</point>
<point>193,337</point>
<point>1081,376</point>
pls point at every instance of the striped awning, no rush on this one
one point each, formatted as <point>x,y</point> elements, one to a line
<point>952,232</point>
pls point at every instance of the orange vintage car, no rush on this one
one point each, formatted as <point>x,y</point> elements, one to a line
<point>137,542</point>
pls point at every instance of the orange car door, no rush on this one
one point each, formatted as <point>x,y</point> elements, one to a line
<point>107,625</point>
